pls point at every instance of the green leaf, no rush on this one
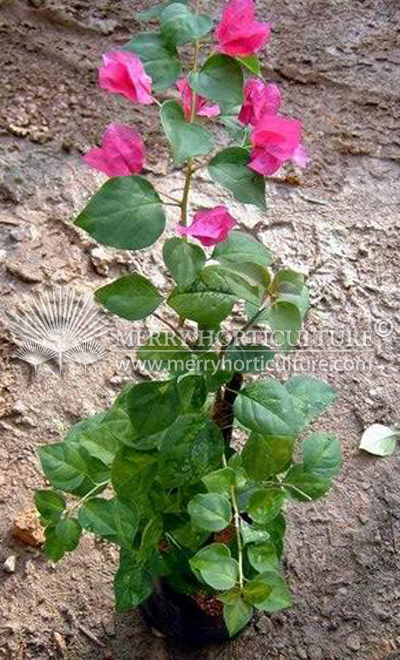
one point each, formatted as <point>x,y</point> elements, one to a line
<point>99,435</point>
<point>70,468</point>
<point>288,286</point>
<point>220,79</point>
<point>131,297</point>
<point>191,448</point>
<point>251,63</point>
<point>242,248</point>
<point>256,591</point>
<point>252,358</point>
<point>211,511</point>
<point>125,213</point>
<point>110,519</point>
<point>133,473</point>
<point>310,396</point>
<point>266,456</point>
<point>321,454</point>
<point>230,169</point>
<point>219,277</point>
<point>276,529</point>
<point>262,556</point>
<point>180,26</point>
<point>304,485</point>
<point>151,536</point>
<point>252,533</point>
<point>265,504</point>
<point>184,260</point>
<point>237,615</point>
<point>160,59</point>
<point>69,532</point>
<point>53,547</point>
<point>379,440</point>
<point>156,10</point>
<point>189,536</point>
<point>187,139</point>
<point>216,566</point>
<point>285,321</point>
<point>49,504</point>
<point>267,408</point>
<point>279,597</point>
<point>220,481</point>
<point>206,305</point>
<point>132,585</point>
<point>153,406</point>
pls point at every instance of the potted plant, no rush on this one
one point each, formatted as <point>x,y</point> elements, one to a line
<point>197,516</point>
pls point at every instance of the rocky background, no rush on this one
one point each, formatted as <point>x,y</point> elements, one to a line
<point>338,62</point>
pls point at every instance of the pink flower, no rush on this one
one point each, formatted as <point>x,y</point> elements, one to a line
<point>210,227</point>
<point>123,73</point>
<point>259,99</point>
<point>238,33</point>
<point>122,152</point>
<point>276,140</point>
<point>203,107</point>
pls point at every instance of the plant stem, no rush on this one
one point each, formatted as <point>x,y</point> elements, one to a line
<point>236,519</point>
<point>88,495</point>
<point>185,198</point>
<point>171,326</point>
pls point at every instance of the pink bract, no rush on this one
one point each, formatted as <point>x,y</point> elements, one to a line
<point>123,73</point>
<point>122,152</point>
<point>203,107</point>
<point>210,227</point>
<point>259,99</point>
<point>275,140</point>
<point>238,33</point>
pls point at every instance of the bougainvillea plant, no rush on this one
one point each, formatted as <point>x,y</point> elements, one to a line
<point>157,474</point>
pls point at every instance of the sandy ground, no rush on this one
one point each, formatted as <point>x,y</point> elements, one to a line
<point>338,62</point>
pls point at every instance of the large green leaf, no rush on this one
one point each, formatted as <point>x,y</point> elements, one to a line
<point>125,213</point>
<point>220,277</point>
<point>256,591</point>
<point>310,396</point>
<point>203,304</point>
<point>153,406</point>
<point>184,260</point>
<point>230,169</point>
<point>304,485</point>
<point>187,139</point>
<point>266,456</point>
<point>267,408</point>
<point>262,556</point>
<point>191,448</point>
<point>219,79</point>
<point>111,519</point>
<point>133,473</point>
<point>236,615</point>
<point>279,597</point>
<point>211,511</point>
<point>247,359</point>
<point>180,26</point>
<point>220,481</point>
<point>132,584</point>
<point>216,566</point>
<point>49,504</point>
<point>288,286</point>
<point>69,532</point>
<point>265,504</point>
<point>242,248</point>
<point>131,297</point>
<point>251,63</point>
<point>70,468</point>
<point>253,533</point>
<point>321,454</point>
<point>98,434</point>
<point>285,321</point>
<point>160,59</point>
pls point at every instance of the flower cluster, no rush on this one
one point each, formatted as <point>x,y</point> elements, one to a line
<point>274,139</point>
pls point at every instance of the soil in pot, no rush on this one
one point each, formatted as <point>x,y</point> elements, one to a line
<point>196,619</point>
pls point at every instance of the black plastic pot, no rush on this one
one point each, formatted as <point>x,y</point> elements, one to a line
<point>179,616</point>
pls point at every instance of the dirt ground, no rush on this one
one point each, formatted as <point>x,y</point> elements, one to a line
<point>338,62</point>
